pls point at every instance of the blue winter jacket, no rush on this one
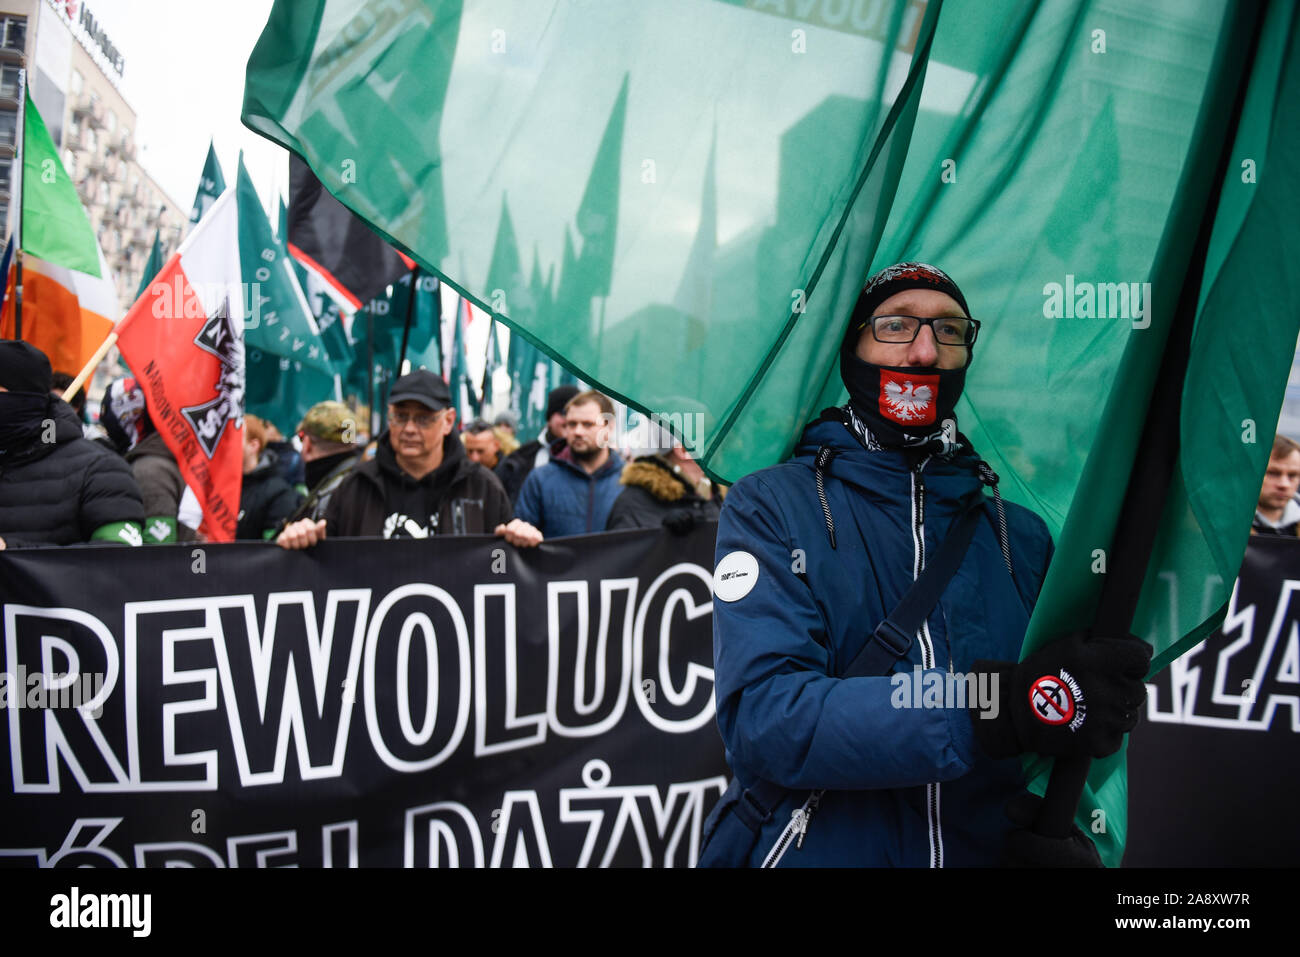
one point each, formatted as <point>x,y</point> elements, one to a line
<point>560,498</point>
<point>905,786</point>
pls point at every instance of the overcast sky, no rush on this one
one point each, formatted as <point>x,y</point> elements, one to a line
<point>184,77</point>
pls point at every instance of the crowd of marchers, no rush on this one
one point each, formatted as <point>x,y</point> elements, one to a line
<point>64,481</point>
<point>874,551</point>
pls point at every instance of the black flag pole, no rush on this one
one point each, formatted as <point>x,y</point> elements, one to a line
<point>370,368</point>
<point>413,277</point>
<point>1157,453</point>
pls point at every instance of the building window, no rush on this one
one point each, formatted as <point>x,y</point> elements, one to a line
<point>9,82</point>
<point>77,83</point>
<point>8,124</point>
<point>70,163</point>
<point>13,33</point>
<point>6,176</point>
<point>110,122</point>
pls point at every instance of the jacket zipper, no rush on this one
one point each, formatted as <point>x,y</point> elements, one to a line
<point>795,829</point>
<point>933,823</point>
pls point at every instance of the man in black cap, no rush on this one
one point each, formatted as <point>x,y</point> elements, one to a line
<point>863,733</point>
<point>56,486</point>
<point>514,468</point>
<point>420,482</point>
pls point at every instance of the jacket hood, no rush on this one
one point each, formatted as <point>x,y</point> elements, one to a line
<point>876,471</point>
<point>455,463</point>
<point>655,476</point>
<point>67,428</point>
<point>884,475</point>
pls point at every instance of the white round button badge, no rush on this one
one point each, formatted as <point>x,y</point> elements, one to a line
<point>735,576</point>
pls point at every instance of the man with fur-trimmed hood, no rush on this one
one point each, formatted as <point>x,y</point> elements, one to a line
<point>663,485</point>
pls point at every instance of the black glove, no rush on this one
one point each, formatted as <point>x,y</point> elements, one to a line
<point>1027,849</point>
<point>680,521</point>
<point>1076,696</point>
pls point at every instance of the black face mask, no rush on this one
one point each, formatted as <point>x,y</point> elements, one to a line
<point>902,406</point>
<point>21,415</point>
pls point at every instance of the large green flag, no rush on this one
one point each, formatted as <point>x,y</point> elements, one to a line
<point>55,226</point>
<point>703,224</point>
<point>211,185</point>
<point>153,265</point>
<point>287,365</point>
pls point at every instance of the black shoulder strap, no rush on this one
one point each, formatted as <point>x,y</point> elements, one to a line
<point>893,636</point>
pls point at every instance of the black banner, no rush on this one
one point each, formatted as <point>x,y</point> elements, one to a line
<point>366,703</point>
<point>1213,770</point>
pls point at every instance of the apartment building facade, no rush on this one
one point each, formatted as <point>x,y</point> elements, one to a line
<point>74,71</point>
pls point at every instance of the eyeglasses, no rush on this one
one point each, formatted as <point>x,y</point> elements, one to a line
<point>948,330</point>
<point>422,420</point>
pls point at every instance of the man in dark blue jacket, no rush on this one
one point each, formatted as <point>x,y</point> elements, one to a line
<point>573,493</point>
<point>814,553</point>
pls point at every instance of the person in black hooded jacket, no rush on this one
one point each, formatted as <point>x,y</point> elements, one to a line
<point>56,486</point>
<point>265,498</point>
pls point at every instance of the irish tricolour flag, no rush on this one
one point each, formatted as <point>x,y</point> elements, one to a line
<point>184,340</point>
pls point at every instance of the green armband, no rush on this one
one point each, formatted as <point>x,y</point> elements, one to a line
<point>123,533</point>
<point>268,534</point>
<point>159,530</point>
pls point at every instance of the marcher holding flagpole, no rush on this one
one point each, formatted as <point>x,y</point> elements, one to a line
<point>869,604</point>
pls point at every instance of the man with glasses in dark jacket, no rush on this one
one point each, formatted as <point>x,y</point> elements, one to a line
<point>814,554</point>
<point>420,482</point>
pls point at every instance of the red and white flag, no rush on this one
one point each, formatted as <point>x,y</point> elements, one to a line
<point>184,340</point>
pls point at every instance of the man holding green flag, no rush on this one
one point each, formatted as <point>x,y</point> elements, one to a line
<point>869,603</point>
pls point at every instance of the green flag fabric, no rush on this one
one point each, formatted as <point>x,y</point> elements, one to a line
<point>334,316</point>
<point>527,386</point>
<point>55,226</point>
<point>701,227</point>
<point>153,265</point>
<point>423,350</point>
<point>211,185</point>
<point>287,365</point>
